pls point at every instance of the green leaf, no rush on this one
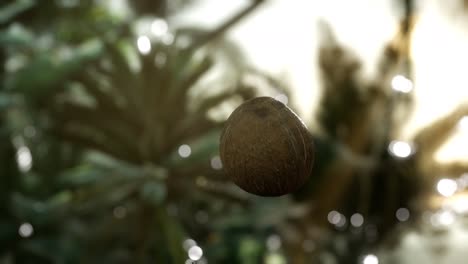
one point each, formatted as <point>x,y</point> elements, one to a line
<point>54,249</point>
<point>40,212</point>
<point>16,35</point>
<point>6,101</point>
<point>249,250</point>
<point>202,149</point>
<point>59,200</point>
<point>153,192</point>
<point>234,220</point>
<point>11,10</point>
<point>173,235</point>
<point>81,176</point>
<point>29,209</point>
<point>41,77</point>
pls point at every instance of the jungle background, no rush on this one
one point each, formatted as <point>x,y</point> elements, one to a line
<point>111,111</point>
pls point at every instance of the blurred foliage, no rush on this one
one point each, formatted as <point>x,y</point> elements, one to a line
<point>357,174</point>
<point>101,123</point>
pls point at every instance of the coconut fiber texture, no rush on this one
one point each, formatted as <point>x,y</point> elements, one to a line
<point>266,149</point>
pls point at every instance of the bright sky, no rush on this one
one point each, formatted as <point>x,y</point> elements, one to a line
<point>281,38</point>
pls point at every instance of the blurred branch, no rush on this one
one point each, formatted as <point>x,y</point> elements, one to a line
<point>452,169</point>
<point>227,25</point>
<point>431,138</point>
<point>87,142</point>
<point>222,190</point>
<point>409,11</point>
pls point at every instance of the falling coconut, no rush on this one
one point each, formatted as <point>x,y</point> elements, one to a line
<point>266,149</point>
